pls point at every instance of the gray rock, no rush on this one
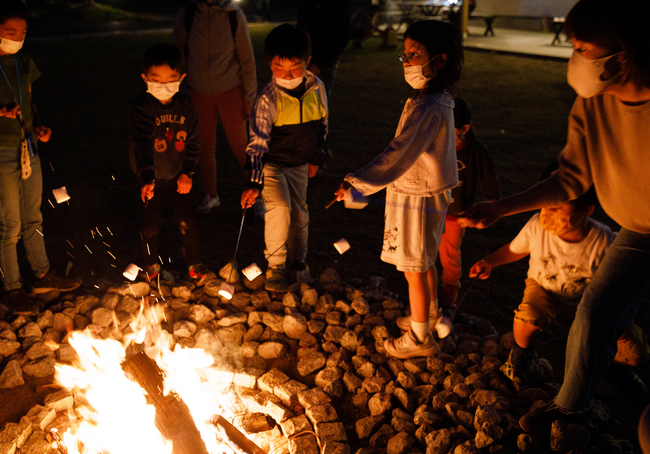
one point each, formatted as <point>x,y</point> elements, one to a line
<point>12,375</point>
<point>525,443</point>
<point>305,444</point>
<point>438,442</point>
<point>400,443</point>
<point>351,381</point>
<point>200,314</point>
<point>482,397</point>
<point>311,362</point>
<point>8,335</point>
<point>102,317</point>
<point>66,353</point>
<point>240,300</point>
<point>231,335</point>
<point>41,367</point>
<point>254,333</point>
<point>406,380</point>
<point>489,435</point>
<point>333,318</point>
<point>334,447</point>
<point>382,436</point>
<point>567,436</point>
<point>110,300</point>
<point>316,326</point>
<point>404,399</point>
<point>128,304</point>
<point>360,306</point>
<point>85,303</point>
<point>233,319</point>
<point>62,323</point>
<point>268,381</point>
<point>8,347</point>
<point>328,375</point>
<point>403,425</point>
<point>290,299</point>
<point>274,321</point>
<point>184,328</point>
<point>351,341</point>
<point>486,414</point>
<point>321,413</point>
<point>183,291</point>
<point>314,396</point>
<point>44,319</point>
<point>260,299</point>
<point>38,350</point>
<point>331,431</point>
<point>330,281</point>
<point>272,350</point>
<point>229,273</point>
<point>295,325</point>
<point>325,304</point>
<point>380,404</point>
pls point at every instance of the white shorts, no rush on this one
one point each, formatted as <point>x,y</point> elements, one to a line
<point>413,226</point>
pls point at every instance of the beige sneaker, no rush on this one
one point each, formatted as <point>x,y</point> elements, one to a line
<point>442,325</point>
<point>408,346</point>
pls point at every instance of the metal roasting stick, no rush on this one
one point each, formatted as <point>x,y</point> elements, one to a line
<point>464,296</point>
<point>243,216</point>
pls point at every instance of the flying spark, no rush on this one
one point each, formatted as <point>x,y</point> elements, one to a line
<point>51,203</point>
<point>109,253</point>
<point>39,232</point>
<point>88,248</point>
<point>70,244</point>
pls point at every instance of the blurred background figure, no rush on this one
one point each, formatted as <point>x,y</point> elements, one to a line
<point>363,23</point>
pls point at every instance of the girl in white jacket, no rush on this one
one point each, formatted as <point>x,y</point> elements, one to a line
<point>418,170</point>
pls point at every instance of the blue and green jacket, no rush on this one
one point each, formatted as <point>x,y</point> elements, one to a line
<point>287,128</point>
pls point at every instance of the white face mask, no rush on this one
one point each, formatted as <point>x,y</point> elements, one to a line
<point>414,77</point>
<point>9,46</point>
<point>163,92</point>
<point>584,74</point>
<point>289,84</point>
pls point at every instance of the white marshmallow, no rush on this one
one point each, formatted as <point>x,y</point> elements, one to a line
<point>342,245</point>
<point>227,290</point>
<point>443,327</point>
<point>60,194</point>
<point>354,200</point>
<point>131,272</point>
<point>251,271</point>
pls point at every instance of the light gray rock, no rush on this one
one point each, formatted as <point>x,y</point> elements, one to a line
<point>232,319</point>
<point>184,328</point>
<point>128,304</point>
<point>110,301</point>
<point>328,375</point>
<point>325,304</point>
<point>62,323</point>
<point>229,274</point>
<point>380,404</point>
<point>8,335</point>
<point>200,314</point>
<point>8,347</point>
<point>310,297</point>
<point>38,350</point>
<point>12,375</point>
<point>400,443</point>
<point>231,335</point>
<point>331,431</point>
<point>351,381</point>
<point>567,436</point>
<point>314,396</point>
<point>183,291</point>
<point>311,362</point>
<point>489,435</point>
<point>241,299</point>
<point>272,350</point>
<point>486,414</point>
<point>382,436</point>
<point>367,426</point>
<point>290,299</point>
<point>295,325</point>
<point>102,317</point>
<point>42,367</point>
<point>274,321</point>
<point>321,413</point>
<point>44,319</point>
<point>260,299</point>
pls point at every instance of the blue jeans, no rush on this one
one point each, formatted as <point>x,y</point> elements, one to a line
<point>606,311</point>
<point>20,217</point>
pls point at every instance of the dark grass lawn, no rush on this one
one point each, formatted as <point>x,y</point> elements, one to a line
<point>520,111</point>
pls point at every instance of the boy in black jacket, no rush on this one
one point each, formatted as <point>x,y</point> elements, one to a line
<point>164,149</point>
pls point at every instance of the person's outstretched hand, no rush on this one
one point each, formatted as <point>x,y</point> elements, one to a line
<point>481,215</point>
<point>481,269</point>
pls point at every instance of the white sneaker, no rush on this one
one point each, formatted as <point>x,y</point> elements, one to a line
<point>209,202</point>
<point>408,346</point>
<point>442,325</point>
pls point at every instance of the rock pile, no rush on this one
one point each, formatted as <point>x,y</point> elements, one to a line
<point>311,360</point>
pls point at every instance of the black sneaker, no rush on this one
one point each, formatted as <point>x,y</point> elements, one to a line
<point>539,420</point>
<point>624,378</point>
<point>275,280</point>
<point>52,281</point>
<point>517,367</point>
<point>20,303</point>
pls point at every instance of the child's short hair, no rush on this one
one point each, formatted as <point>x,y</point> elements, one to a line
<point>13,9</point>
<point>620,28</point>
<point>585,200</point>
<point>440,38</point>
<point>287,41</point>
<point>161,54</point>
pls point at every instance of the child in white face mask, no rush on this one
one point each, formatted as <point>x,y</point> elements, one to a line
<point>164,150</point>
<point>418,168</point>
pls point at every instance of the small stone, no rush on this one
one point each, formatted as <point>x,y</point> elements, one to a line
<point>271,379</point>
<point>382,436</point>
<point>8,347</point>
<point>438,441</point>
<point>240,300</point>
<point>59,400</point>
<point>295,325</point>
<point>12,375</point>
<point>288,392</point>
<point>331,431</point>
<point>328,375</point>
<point>41,367</point>
<point>306,444</point>
<point>231,335</point>
<point>37,444</point>
<point>183,291</point>
<point>400,443</point>
<point>272,350</point>
<point>290,299</point>
<point>314,396</point>
<point>365,427</point>
<point>260,299</point>
<point>567,436</point>
<point>295,425</point>
<point>321,413</point>
<point>325,304</point>
<point>31,329</point>
<point>184,328</point>
<point>380,404</point>
<point>200,314</point>
<point>351,381</point>
<point>310,363</point>
<point>128,304</point>
<point>486,414</point>
<point>233,319</point>
<point>334,447</point>
<point>62,323</point>
<point>110,301</point>
<point>38,350</point>
<point>274,321</point>
<point>360,306</point>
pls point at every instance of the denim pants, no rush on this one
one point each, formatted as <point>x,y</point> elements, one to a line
<point>183,214</point>
<point>20,217</point>
<point>606,311</point>
<point>285,196</point>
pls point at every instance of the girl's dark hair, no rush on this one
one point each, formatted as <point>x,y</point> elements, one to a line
<point>13,9</point>
<point>440,38</point>
<point>161,54</point>
<point>287,41</point>
<point>616,27</point>
<point>463,116</point>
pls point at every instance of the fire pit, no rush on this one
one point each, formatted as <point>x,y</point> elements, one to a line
<point>180,369</point>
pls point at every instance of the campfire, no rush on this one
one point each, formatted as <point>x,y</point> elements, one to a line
<point>183,370</point>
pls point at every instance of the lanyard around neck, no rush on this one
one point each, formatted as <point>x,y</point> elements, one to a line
<point>20,93</point>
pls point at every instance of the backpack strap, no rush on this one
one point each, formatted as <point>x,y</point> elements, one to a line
<point>232,18</point>
<point>190,10</point>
